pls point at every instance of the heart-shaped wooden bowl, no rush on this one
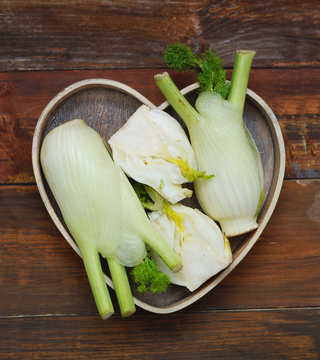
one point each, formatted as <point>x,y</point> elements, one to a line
<point>105,105</point>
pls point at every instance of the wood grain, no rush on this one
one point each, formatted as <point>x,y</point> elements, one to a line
<point>101,34</point>
<point>274,334</point>
<point>24,95</point>
<point>269,307</point>
<point>39,267</point>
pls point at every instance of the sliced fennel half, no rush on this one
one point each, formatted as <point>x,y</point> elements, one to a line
<point>203,249</point>
<point>195,237</point>
<point>152,148</point>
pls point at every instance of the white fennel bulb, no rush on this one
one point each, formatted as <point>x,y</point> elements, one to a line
<point>203,249</point>
<point>222,144</point>
<point>233,196</point>
<point>87,187</point>
<point>100,209</point>
<point>153,149</point>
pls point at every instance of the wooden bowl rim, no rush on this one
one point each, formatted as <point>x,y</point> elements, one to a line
<point>116,85</point>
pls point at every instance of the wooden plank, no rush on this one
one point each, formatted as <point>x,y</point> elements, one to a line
<point>39,268</point>
<point>46,35</point>
<point>40,273</point>
<point>287,334</point>
<point>298,115</point>
<point>24,95</point>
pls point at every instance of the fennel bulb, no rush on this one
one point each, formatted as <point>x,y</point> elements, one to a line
<point>100,209</point>
<point>234,194</point>
<point>203,249</point>
<point>153,149</point>
<point>86,185</point>
<point>223,147</point>
<point>195,237</point>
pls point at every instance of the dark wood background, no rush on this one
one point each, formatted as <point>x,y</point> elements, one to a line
<point>269,307</point>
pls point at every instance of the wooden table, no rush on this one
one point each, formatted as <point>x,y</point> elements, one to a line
<point>268,308</point>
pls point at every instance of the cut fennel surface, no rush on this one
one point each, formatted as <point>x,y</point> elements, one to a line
<point>153,149</point>
<point>197,239</point>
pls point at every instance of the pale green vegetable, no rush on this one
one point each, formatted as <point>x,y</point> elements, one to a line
<point>100,209</point>
<point>223,147</point>
<point>233,196</point>
<point>152,148</point>
<point>203,249</point>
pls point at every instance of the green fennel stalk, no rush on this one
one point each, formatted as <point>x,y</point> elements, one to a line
<point>122,287</point>
<point>91,260</point>
<point>240,77</point>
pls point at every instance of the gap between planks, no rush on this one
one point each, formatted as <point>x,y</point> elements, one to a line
<point>161,68</point>
<point>212,311</point>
